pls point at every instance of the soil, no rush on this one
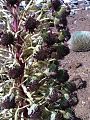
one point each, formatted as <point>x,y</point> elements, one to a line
<point>78,64</point>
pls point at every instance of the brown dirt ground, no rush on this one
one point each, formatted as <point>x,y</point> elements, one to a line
<point>78,63</point>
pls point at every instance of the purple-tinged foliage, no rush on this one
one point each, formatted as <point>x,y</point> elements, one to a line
<point>8,101</point>
<point>7,39</point>
<point>30,24</point>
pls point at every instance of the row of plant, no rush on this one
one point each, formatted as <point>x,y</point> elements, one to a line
<point>35,86</point>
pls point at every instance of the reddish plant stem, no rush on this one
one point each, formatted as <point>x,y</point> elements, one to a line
<point>15,19</point>
<point>18,53</point>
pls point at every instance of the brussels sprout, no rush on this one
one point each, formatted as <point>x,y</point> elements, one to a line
<point>54,95</point>
<point>8,101</point>
<point>64,35</point>
<point>56,116</point>
<point>62,76</point>
<point>16,71</point>
<point>69,87</point>
<point>62,50</point>
<point>13,2</point>
<point>49,38</point>
<point>42,54</point>
<point>53,65</point>
<point>73,100</point>
<point>60,23</point>
<point>56,4</point>
<point>35,112</point>
<point>33,85</point>
<point>7,39</point>
<point>31,24</point>
<point>64,103</point>
<point>69,115</point>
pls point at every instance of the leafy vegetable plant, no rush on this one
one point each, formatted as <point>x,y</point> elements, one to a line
<point>35,87</point>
